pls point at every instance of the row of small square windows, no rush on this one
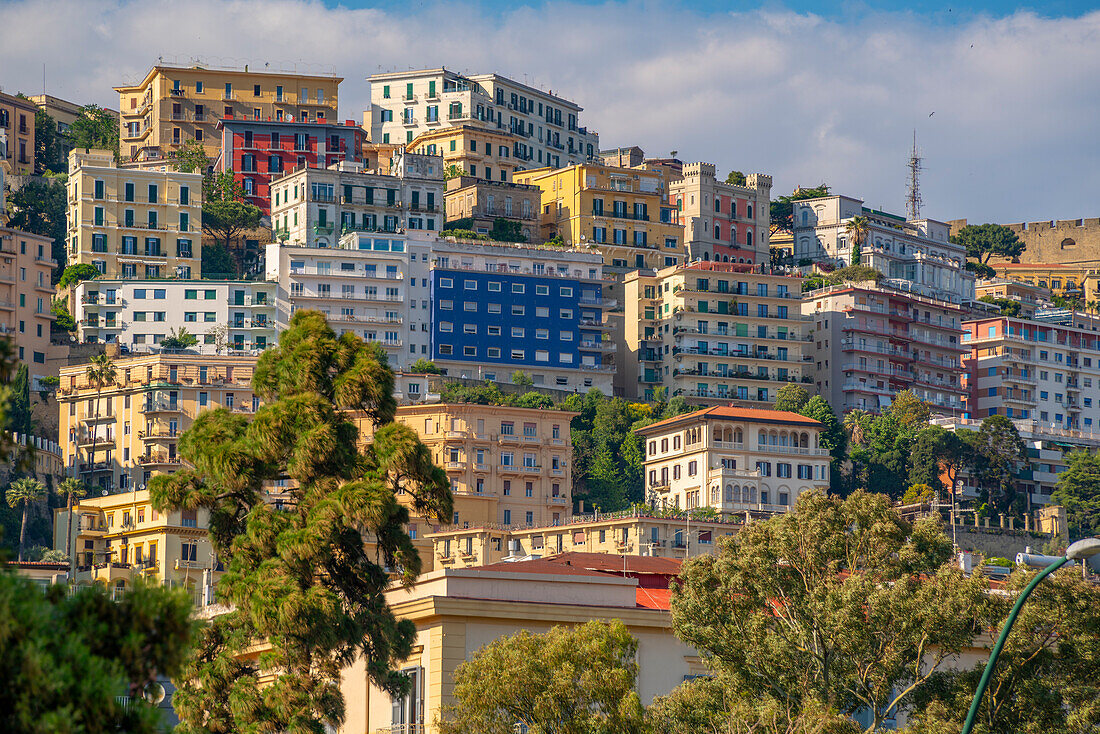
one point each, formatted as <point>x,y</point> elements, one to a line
<point>494,286</point>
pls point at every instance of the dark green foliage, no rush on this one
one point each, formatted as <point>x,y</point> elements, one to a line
<point>996,453</point>
<point>76,273</point>
<point>854,273</point>
<point>735,178</point>
<point>464,224</point>
<point>983,241</point>
<point>935,452</point>
<point>66,658</point>
<point>425,367</point>
<point>880,457</point>
<point>190,158</point>
<point>832,437</point>
<point>791,397</point>
<point>1008,306</point>
<point>19,410</point>
<point>39,206</point>
<point>217,263</point>
<point>506,230</point>
<point>225,221</point>
<point>980,270</point>
<point>181,339</point>
<point>300,577</point>
<point>782,209</point>
<point>65,320</point>
<point>95,128</point>
<point>1078,490</point>
<point>51,149</point>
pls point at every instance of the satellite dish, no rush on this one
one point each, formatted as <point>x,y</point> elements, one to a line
<point>103,493</point>
<point>141,486</point>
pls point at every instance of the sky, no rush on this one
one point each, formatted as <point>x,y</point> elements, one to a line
<point>1003,97</point>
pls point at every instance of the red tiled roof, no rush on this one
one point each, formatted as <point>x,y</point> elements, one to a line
<point>729,412</point>
<point>653,598</point>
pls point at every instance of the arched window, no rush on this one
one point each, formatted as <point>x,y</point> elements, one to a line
<point>762,438</point>
<point>729,494</point>
<point>748,238</point>
<point>805,217</point>
<point>706,256</point>
<point>748,212</point>
<point>738,437</point>
<point>717,232</point>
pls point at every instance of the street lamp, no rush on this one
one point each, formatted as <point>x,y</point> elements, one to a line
<point>1081,551</point>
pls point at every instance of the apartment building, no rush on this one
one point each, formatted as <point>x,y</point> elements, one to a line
<point>1076,280</point>
<point>1034,370</point>
<point>473,151</point>
<point>1046,446</point>
<point>915,255</point>
<point>733,460</point>
<point>870,340</point>
<point>506,465</point>
<point>723,222</point>
<point>630,533</point>
<point>713,333</point>
<point>376,287</point>
<point>483,202</point>
<point>622,212</point>
<point>26,297</point>
<point>62,111</point>
<point>314,207</point>
<point>544,126</point>
<point>17,128</point>
<point>1030,297</point>
<point>119,539</point>
<point>259,151</point>
<point>132,223</point>
<point>225,316</point>
<point>117,437</point>
<point>498,308</point>
<point>175,103</point>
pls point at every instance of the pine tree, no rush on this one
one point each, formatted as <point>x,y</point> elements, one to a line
<point>299,577</point>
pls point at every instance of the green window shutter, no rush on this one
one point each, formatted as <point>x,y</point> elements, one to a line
<point>742,329</point>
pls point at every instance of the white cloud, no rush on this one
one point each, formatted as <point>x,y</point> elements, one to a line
<point>805,98</point>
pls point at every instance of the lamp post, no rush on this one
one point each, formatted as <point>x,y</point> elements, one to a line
<point>1081,551</point>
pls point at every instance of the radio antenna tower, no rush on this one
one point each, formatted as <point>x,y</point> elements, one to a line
<point>912,193</point>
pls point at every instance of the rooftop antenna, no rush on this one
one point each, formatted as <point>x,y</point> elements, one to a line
<point>912,193</point>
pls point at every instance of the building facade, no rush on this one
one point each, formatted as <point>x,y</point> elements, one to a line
<point>914,255</point>
<point>121,538</point>
<point>259,151</point>
<point>1070,280</point>
<point>376,287</point>
<point>498,308</point>
<point>713,333</point>
<point>314,207</point>
<point>62,111</point>
<point>26,297</point>
<point>632,533</point>
<point>17,126</point>
<point>117,437</point>
<point>132,223</point>
<point>406,104</point>
<point>484,202</point>
<point>225,316</point>
<point>723,222</point>
<point>477,152</point>
<point>733,460</point>
<point>174,104</point>
<point>622,212</point>
<point>870,341</point>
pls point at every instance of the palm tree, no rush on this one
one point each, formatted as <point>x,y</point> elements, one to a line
<point>854,423</point>
<point>858,229</point>
<point>101,373</point>
<point>25,491</point>
<point>71,488</point>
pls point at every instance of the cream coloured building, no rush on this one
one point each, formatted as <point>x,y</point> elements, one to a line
<point>117,438</point>
<point>733,459</point>
<point>26,297</point>
<point>120,538</point>
<point>132,223</point>
<point>175,103</point>
<point>476,152</point>
<point>713,333</point>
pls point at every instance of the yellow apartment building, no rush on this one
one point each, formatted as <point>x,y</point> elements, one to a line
<point>117,438</point>
<point>713,333</point>
<point>478,152</point>
<point>120,538</point>
<point>622,212</point>
<point>174,103</point>
<point>734,459</point>
<point>17,124</point>
<point>1028,295</point>
<point>1075,280</point>
<point>132,223</point>
<point>26,296</point>
<point>631,533</point>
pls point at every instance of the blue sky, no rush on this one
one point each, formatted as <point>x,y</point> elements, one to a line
<point>1005,101</point>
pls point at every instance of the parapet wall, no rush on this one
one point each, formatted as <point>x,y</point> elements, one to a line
<point>1062,241</point>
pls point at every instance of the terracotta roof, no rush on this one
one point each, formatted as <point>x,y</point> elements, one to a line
<point>729,412</point>
<point>653,598</point>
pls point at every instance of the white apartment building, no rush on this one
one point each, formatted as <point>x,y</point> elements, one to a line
<point>315,207</point>
<point>545,127</point>
<point>372,285</point>
<point>226,316</point>
<point>869,341</point>
<point>913,255</point>
<point>733,460</point>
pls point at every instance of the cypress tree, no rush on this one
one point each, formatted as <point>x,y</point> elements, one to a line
<point>298,579</point>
